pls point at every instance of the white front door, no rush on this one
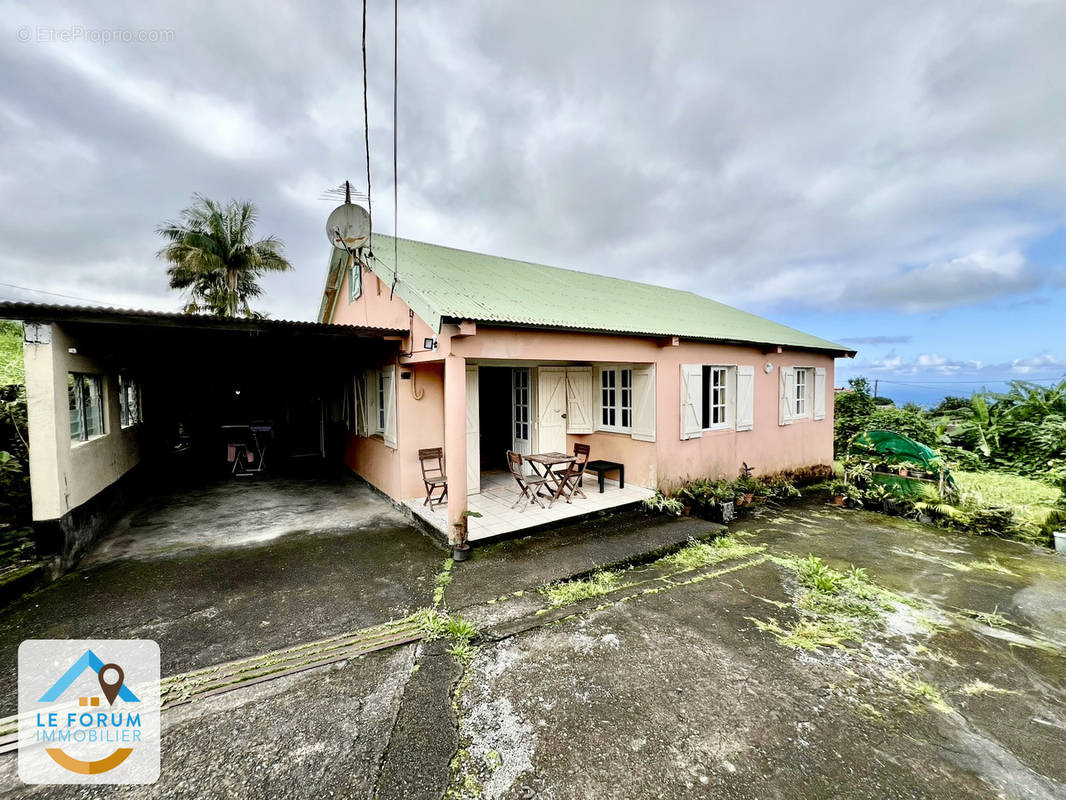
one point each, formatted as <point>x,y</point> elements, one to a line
<point>473,433</point>
<point>551,410</point>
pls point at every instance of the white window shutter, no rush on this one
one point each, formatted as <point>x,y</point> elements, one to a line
<point>691,401</point>
<point>371,402</point>
<point>388,377</point>
<point>745,415</point>
<point>644,403</point>
<point>788,388</point>
<point>819,393</point>
<point>360,404</point>
<point>579,400</point>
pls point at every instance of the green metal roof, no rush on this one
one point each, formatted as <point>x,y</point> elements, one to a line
<point>444,283</point>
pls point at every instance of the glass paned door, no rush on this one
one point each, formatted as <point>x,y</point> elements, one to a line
<point>520,410</point>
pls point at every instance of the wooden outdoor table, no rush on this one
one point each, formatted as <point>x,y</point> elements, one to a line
<point>542,464</point>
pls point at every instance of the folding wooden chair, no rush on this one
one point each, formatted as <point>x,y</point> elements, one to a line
<point>570,482</point>
<point>529,484</point>
<point>431,460</point>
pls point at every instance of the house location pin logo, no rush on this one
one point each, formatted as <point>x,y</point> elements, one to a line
<point>111,690</point>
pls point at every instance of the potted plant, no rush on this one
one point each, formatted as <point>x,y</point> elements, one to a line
<point>460,545</point>
<point>852,496</point>
<point>878,495</point>
<point>839,490</point>
<point>724,502</point>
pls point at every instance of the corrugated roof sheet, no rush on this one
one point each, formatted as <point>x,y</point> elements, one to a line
<point>483,288</point>
<point>47,312</point>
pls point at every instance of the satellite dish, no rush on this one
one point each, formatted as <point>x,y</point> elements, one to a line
<point>348,227</point>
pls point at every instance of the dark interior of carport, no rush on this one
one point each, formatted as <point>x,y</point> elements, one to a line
<point>204,383</point>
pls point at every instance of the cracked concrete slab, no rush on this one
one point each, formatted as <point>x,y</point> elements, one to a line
<point>680,694</point>
<point>315,734</point>
<point>415,765</point>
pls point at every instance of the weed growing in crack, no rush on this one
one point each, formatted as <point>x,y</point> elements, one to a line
<point>834,607</point>
<point>597,584</point>
<point>912,686</point>
<point>460,629</point>
<point>980,688</point>
<point>810,634</point>
<point>990,565</point>
<point>698,554</point>
<point>442,581</point>
<point>992,619</point>
<point>462,651</point>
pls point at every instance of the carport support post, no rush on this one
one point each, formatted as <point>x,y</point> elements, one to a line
<point>455,437</point>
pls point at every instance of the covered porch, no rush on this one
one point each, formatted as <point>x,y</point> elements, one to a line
<point>492,406</point>
<point>500,517</point>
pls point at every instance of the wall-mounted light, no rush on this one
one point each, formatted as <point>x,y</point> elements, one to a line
<point>405,376</point>
<point>72,350</point>
<point>768,368</point>
<point>429,343</point>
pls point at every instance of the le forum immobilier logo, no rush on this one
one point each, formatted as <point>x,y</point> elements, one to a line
<point>88,711</point>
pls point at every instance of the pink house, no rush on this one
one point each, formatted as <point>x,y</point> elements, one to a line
<point>506,355</point>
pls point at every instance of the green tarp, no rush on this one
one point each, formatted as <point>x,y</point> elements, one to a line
<point>896,449</point>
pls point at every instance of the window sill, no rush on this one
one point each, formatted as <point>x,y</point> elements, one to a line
<point>76,443</point>
<point>617,431</point>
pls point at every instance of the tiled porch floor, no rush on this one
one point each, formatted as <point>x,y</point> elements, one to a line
<point>499,491</point>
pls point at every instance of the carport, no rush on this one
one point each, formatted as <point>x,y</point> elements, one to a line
<point>122,402</point>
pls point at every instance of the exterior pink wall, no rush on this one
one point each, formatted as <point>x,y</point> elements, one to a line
<point>377,463</point>
<point>768,447</point>
<point>640,458</point>
<point>374,309</point>
<point>419,424</point>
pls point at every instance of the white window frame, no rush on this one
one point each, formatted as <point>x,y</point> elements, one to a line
<point>129,415</point>
<point>382,408</point>
<point>622,397</point>
<point>710,372</point>
<point>698,383</point>
<point>79,382</point>
<point>802,381</point>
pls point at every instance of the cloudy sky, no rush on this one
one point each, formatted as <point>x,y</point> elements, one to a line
<point>889,175</point>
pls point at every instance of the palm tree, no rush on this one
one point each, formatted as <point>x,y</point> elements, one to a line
<point>214,259</point>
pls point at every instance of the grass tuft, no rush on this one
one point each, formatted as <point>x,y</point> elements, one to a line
<point>913,686</point>
<point>979,688</point>
<point>698,554</point>
<point>598,584</point>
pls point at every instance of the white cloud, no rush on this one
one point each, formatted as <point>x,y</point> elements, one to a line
<point>936,366</point>
<point>898,156</point>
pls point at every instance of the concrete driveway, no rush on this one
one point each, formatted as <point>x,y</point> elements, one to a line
<point>234,569</point>
<point>684,682</point>
<point>690,688</point>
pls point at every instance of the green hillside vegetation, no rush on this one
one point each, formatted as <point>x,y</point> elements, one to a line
<point>1007,452</point>
<point>14,452</point>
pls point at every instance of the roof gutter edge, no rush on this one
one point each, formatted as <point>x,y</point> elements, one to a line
<point>839,352</point>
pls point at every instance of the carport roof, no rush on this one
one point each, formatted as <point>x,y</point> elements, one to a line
<point>44,312</point>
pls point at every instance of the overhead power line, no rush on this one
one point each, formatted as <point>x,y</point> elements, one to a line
<point>56,294</point>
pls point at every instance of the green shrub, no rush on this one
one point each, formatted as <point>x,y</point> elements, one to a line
<point>661,504</point>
